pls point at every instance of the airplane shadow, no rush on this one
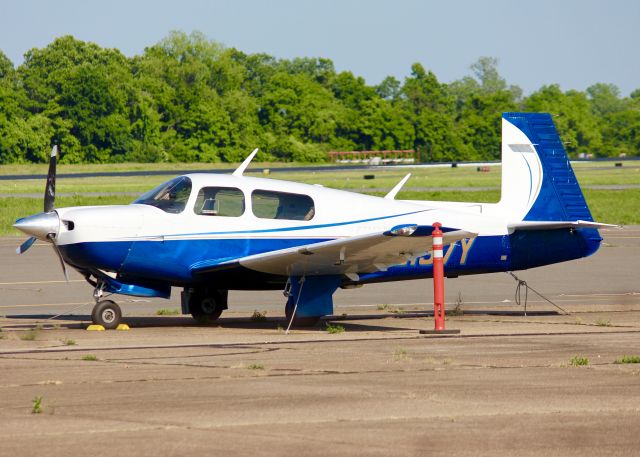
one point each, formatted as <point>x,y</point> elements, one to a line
<point>346,321</point>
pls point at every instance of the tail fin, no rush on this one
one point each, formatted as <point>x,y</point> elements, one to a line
<point>538,183</point>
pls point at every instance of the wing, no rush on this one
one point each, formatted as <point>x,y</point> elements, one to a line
<point>349,256</point>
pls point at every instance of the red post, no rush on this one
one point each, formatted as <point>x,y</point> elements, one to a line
<point>438,277</point>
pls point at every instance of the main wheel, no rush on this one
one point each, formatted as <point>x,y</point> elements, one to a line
<point>106,313</point>
<point>307,321</point>
<point>207,307</point>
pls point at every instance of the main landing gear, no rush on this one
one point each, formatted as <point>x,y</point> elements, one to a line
<point>205,305</point>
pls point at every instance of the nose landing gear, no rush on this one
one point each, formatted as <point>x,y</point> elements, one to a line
<point>105,312</point>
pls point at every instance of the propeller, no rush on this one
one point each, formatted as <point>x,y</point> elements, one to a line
<point>44,225</point>
<point>52,238</point>
<point>50,189</point>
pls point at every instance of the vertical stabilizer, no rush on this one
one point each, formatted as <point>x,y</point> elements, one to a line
<point>538,183</point>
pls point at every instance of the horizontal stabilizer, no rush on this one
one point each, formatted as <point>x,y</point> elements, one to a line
<point>550,225</point>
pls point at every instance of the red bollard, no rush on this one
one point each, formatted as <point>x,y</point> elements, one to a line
<point>438,284</point>
<point>438,278</point>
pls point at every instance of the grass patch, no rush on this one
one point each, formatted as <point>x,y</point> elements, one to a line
<point>400,354</point>
<point>256,366</point>
<point>614,206</point>
<point>258,316</point>
<point>383,307</point>
<point>603,322</point>
<point>578,361</point>
<point>30,334</point>
<point>333,329</point>
<point>398,310</point>
<point>168,312</point>
<point>68,342</point>
<point>36,405</point>
<point>90,358</point>
<point>628,359</point>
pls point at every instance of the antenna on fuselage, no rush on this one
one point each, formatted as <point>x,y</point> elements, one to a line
<point>392,193</point>
<point>245,164</point>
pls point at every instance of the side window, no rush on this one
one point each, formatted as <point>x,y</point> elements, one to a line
<point>219,201</point>
<point>268,204</point>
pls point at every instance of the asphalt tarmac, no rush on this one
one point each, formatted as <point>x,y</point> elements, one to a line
<point>506,385</point>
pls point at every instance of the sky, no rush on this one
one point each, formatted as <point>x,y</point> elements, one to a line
<point>574,43</point>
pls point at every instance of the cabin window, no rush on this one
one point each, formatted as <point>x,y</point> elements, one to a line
<point>219,201</point>
<point>267,204</point>
<point>170,196</point>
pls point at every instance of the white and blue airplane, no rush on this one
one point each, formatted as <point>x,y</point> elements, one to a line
<point>211,233</point>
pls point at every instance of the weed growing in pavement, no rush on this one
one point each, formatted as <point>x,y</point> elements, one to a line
<point>256,366</point>
<point>457,311</point>
<point>400,354</point>
<point>603,323</point>
<point>36,407</point>
<point>383,307</point>
<point>334,328</point>
<point>628,359</point>
<point>68,342</point>
<point>168,312</point>
<point>90,358</point>
<point>29,335</point>
<point>578,361</point>
<point>258,316</point>
<point>398,310</point>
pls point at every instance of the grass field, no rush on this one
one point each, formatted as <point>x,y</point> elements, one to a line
<point>612,206</point>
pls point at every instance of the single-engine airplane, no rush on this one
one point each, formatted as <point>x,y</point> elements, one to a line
<point>211,233</point>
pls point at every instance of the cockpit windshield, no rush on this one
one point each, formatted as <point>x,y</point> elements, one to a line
<point>170,196</point>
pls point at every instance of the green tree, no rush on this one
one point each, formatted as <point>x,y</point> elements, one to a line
<point>430,108</point>
<point>576,123</point>
<point>480,102</point>
<point>85,91</point>
<point>605,99</point>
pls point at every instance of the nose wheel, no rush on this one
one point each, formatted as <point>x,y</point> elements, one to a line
<point>106,313</point>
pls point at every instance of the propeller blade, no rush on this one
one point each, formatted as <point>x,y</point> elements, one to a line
<point>26,245</point>
<point>50,190</point>
<point>52,238</point>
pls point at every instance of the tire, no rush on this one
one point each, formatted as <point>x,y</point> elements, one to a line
<point>307,321</point>
<point>106,313</point>
<point>206,308</point>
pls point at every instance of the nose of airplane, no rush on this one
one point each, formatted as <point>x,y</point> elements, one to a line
<point>39,225</point>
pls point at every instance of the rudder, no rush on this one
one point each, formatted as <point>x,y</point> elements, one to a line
<point>538,183</point>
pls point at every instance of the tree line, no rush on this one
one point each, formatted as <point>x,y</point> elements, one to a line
<point>189,99</point>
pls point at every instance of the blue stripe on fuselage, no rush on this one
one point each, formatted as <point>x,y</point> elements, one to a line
<point>172,260</point>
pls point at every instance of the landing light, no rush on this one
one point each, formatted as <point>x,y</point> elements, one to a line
<point>403,230</point>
